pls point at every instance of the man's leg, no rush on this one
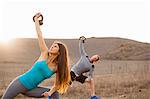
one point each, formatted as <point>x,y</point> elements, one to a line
<point>73,76</point>
<point>92,88</point>
<point>81,78</point>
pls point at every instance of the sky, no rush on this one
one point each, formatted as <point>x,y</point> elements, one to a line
<point>74,18</point>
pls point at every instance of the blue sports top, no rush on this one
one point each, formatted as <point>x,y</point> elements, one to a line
<point>33,77</point>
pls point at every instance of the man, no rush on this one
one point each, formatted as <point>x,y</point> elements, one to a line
<point>85,65</point>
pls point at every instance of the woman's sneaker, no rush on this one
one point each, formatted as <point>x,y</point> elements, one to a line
<point>94,97</point>
<point>49,97</point>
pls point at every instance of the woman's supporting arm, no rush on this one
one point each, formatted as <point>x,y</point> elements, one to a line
<point>49,93</point>
<point>54,89</point>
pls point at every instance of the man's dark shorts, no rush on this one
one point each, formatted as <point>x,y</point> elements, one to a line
<point>80,78</point>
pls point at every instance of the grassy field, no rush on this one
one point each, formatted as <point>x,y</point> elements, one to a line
<point>115,85</point>
<point>112,86</point>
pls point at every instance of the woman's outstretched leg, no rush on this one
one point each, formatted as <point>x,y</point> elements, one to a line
<point>14,88</point>
<point>37,93</point>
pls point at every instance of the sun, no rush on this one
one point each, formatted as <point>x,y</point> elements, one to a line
<point>5,39</point>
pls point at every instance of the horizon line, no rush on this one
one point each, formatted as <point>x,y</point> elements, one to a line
<point>78,38</point>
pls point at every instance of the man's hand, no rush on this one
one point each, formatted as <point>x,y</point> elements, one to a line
<point>82,38</point>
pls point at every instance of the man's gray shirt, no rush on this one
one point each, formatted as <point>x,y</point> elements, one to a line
<point>83,65</point>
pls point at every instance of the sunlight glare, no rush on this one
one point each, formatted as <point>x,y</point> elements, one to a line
<point>5,39</point>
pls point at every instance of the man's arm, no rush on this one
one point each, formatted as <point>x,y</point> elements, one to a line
<point>81,45</point>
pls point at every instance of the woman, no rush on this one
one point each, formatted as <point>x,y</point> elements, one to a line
<point>54,60</point>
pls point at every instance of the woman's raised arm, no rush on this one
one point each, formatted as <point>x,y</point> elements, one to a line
<point>42,43</point>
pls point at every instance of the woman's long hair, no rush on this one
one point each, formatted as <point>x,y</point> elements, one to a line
<point>63,71</point>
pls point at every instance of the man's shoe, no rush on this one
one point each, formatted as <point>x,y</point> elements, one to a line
<point>94,97</point>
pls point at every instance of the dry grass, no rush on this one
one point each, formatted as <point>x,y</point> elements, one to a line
<point>118,85</point>
<point>112,86</point>
<point>115,86</point>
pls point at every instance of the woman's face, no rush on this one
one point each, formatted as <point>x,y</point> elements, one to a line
<point>54,49</point>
